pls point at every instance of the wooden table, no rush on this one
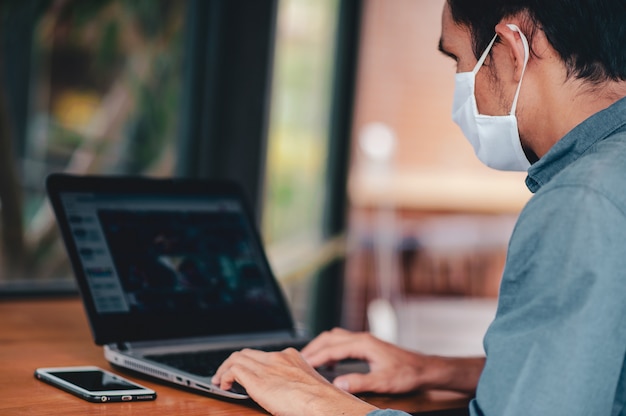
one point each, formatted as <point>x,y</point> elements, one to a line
<point>48,333</point>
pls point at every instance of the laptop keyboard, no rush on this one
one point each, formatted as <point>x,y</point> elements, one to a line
<point>206,363</point>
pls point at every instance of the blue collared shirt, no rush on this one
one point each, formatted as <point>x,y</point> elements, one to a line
<point>558,342</point>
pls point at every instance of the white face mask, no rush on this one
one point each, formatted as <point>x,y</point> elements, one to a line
<point>495,139</point>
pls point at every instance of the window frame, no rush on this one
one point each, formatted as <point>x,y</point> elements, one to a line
<point>227,80</point>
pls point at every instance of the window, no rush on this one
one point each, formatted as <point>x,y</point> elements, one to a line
<point>299,121</point>
<point>103,81</point>
<point>299,145</point>
<point>153,87</point>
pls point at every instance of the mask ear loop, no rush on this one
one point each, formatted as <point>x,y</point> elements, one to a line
<point>482,58</point>
<point>526,56</point>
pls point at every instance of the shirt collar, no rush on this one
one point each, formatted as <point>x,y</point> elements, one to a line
<point>575,143</point>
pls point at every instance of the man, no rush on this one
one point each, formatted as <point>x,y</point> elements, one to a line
<point>539,87</point>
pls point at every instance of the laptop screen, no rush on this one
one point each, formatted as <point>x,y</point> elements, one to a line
<point>156,264</point>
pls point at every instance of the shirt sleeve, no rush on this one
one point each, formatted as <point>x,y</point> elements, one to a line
<point>387,412</point>
<point>557,344</point>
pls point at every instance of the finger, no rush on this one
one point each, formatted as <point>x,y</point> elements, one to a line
<point>355,347</point>
<point>329,356</point>
<point>241,374</point>
<point>323,340</point>
<point>358,383</point>
<point>217,377</point>
<point>237,357</point>
<point>224,368</point>
<point>326,340</point>
<point>243,367</point>
<point>315,344</point>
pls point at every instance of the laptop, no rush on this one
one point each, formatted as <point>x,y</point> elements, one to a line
<point>173,275</point>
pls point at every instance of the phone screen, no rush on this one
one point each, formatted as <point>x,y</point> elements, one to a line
<point>94,380</point>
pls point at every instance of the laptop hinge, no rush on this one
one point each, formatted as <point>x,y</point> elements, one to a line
<point>122,346</point>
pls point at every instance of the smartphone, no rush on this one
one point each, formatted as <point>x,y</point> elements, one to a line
<point>94,384</point>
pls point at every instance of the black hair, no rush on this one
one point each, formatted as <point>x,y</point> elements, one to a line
<point>588,35</point>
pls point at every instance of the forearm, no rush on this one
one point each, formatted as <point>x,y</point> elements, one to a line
<point>457,374</point>
<point>335,402</point>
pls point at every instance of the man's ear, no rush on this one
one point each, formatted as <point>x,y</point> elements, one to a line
<point>511,38</point>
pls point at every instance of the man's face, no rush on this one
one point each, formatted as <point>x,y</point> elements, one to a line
<point>456,43</point>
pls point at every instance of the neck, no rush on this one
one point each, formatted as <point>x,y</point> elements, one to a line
<point>561,106</point>
<point>583,100</point>
<point>553,103</point>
